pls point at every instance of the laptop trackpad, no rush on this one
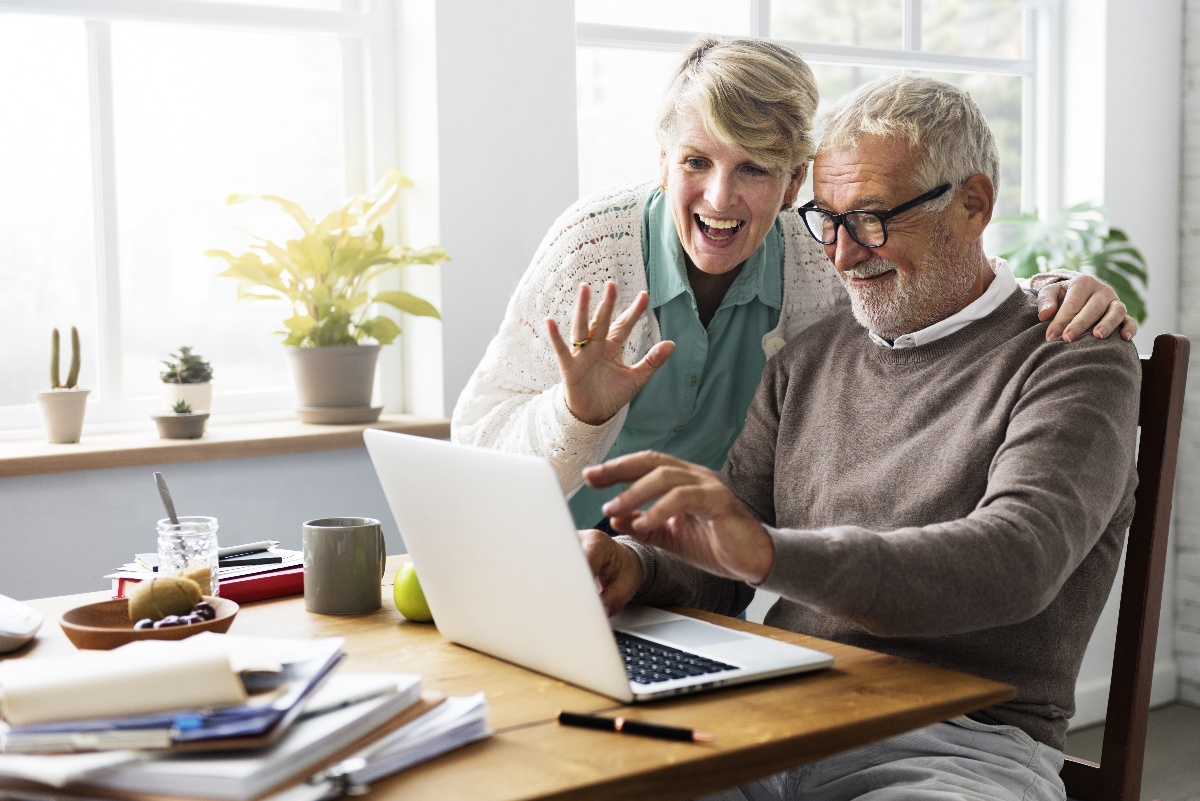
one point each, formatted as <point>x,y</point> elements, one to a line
<point>688,633</point>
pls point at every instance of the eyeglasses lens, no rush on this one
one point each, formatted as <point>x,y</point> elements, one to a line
<point>866,228</point>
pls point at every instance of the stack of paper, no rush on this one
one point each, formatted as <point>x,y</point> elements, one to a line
<point>451,725</point>
<point>383,721</point>
<point>208,691</point>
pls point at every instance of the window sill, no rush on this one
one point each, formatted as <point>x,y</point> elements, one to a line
<point>222,441</point>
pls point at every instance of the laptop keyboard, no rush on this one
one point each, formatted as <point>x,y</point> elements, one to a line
<point>649,662</point>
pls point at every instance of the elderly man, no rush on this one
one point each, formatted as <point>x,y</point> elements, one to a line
<point>945,485</point>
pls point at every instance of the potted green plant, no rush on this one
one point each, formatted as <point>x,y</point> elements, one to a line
<point>1079,238</point>
<point>327,278</point>
<point>181,423</point>
<point>188,377</point>
<point>64,404</point>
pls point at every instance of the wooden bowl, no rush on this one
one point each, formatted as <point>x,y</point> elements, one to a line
<point>107,625</point>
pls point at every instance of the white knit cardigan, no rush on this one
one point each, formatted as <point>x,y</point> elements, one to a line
<point>514,400</point>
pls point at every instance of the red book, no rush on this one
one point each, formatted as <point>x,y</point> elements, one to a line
<point>242,589</point>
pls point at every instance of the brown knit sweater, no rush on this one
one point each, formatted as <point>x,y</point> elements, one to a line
<point>962,503</point>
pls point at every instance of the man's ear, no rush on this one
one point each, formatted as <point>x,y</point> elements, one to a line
<point>978,198</point>
<point>794,184</point>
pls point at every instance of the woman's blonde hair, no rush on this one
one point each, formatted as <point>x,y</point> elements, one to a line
<point>753,95</point>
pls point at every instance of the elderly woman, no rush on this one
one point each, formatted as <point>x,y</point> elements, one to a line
<point>728,271</point>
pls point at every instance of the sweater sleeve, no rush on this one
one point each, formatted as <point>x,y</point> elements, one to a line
<point>1061,478</point>
<point>514,399</point>
<point>667,579</point>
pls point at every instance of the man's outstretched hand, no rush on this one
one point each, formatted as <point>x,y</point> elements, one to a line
<point>692,514</point>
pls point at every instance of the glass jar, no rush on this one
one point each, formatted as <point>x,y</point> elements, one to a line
<point>189,548</point>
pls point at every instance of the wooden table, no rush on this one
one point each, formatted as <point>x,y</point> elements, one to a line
<point>760,728</point>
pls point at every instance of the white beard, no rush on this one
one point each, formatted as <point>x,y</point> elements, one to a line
<point>938,288</point>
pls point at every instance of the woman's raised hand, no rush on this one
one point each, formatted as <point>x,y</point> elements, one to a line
<point>596,381</point>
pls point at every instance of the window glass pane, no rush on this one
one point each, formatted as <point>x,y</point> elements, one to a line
<point>866,23</point>
<point>201,114</point>
<point>999,96</point>
<point>730,17</point>
<point>324,5</point>
<point>619,93</point>
<point>991,28</point>
<point>47,263</point>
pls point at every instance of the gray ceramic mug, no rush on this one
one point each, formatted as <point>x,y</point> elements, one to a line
<point>343,565</point>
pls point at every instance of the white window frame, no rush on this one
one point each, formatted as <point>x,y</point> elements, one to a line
<point>1040,71</point>
<point>372,146</point>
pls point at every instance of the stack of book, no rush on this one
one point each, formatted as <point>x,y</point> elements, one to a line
<point>304,731</point>
<point>247,573</point>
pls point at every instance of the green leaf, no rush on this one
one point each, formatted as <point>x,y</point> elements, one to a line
<point>299,324</point>
<point>1078,238</point>
<point>293,209</point>
<point>327,273</point>
<point>407,303</point>
<point>382,329</point>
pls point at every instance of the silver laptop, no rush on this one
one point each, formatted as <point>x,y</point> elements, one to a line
<point>504,573</point>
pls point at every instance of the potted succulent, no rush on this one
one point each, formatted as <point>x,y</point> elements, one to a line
<point>64,404</point>
<point>326,275</point>
<point>182,423</point>
<point>188,377</point>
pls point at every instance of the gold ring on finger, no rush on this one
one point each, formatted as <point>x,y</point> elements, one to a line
<point>580,343</point>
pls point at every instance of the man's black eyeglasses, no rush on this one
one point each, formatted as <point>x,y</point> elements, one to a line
<point>867,228</point>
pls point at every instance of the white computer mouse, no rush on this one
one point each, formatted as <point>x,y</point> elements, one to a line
<point>18,624</point>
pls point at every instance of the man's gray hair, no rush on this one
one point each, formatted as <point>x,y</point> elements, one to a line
<point>937,119</point>
<point>756,96</point>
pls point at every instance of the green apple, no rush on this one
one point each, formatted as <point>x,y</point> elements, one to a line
<point>410,599</point>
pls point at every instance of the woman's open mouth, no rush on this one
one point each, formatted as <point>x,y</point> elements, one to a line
<point>718,230</point>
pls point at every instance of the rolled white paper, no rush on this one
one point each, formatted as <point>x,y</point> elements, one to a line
<point>101,684</point>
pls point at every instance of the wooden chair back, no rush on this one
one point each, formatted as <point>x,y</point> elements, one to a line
<point>1119,772</point>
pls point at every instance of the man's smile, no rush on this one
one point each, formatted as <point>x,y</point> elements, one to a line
<point>869,271</point>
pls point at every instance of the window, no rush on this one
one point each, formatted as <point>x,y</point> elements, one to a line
<point>627,50</point>
<point>134,120</point>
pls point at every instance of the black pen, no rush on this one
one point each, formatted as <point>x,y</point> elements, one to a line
<point>625,726</point>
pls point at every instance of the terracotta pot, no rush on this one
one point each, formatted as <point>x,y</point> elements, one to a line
<point>62,413</point>
<point>180,426</point>
<point>337,376</point>
<point>198,396</point>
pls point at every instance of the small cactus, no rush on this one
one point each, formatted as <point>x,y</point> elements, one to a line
<point>182,407</point>
<point>73,371</point>
<point>54,383</point>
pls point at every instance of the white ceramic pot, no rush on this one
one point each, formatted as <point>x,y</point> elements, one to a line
<point>338,376</point>
<point>198,396</point>
<point>62,413</point>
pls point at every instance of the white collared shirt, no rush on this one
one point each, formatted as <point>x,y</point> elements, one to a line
<point>998,290</point>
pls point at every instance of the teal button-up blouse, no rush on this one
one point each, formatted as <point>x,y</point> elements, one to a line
<point>696,403</point>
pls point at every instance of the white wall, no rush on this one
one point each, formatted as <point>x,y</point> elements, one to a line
<point>1187,498</point>
<point>508,157</point>
<point>1122,148</point>
<point>60,533</point>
